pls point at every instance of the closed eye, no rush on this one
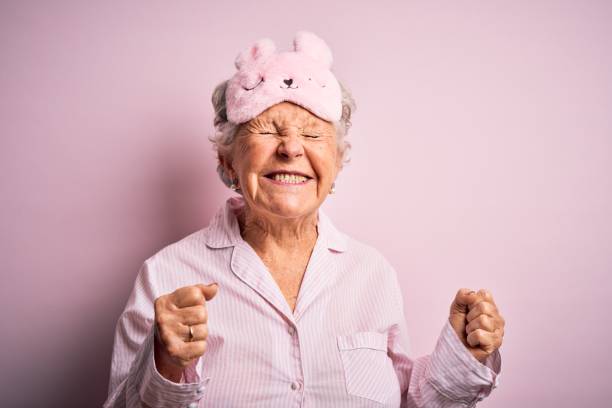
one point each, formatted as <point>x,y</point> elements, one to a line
<point>250,89</point>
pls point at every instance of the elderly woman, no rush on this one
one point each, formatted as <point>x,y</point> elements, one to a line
<point>271,305</point>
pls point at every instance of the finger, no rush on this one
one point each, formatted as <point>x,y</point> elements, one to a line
<point>170,333</point>
<point>483,295</point>
<point>194,349</point>
<point>188,296</point>
<point>209,291</point>
<point>488,296</point>
<point>484,339</point>
<point>484,322</point>
<point>200,332</point>
<point>191,315</point>
<point>463,299</point>
<point>184,352</point>
<point>481,308</point>
<point>488,341</point>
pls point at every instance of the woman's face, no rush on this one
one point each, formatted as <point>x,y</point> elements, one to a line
<point>285,160</point>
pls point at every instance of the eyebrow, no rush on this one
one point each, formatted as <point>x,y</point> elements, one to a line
<point>309,122</point>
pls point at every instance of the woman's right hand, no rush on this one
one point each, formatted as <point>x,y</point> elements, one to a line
<point>174,313</point>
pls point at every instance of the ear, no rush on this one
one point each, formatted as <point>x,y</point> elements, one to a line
<point>313,46</point>
<point>261,49</point>
<point>226,166</point>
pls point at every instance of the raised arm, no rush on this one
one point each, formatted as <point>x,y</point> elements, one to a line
<point>452,376</point>
<point>135,380</point>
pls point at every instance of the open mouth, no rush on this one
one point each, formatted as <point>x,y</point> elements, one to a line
<point>288,177</point>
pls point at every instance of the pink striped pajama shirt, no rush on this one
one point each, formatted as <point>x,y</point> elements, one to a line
<point>345,345</point>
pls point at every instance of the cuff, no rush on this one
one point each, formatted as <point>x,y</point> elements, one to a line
<point>158,392</point>
<point>455,373</point>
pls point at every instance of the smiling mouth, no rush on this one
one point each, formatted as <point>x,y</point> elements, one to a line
<point>288,178</point>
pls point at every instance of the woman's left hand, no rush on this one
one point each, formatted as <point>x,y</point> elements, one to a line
<point>476,320</point>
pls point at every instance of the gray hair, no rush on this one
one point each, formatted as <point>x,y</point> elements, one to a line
<point>225,131</point>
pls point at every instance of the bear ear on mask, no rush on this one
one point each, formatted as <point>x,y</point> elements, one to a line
<point>311,45</point>
<point>260,50</point>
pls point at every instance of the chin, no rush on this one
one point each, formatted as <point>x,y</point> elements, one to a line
<point>292,208</point>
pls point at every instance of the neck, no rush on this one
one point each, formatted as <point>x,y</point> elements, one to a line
<point>269,234</point>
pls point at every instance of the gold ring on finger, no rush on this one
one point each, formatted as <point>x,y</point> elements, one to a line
<point>191,336</point>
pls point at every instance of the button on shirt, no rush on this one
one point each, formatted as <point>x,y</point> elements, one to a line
<point>344,345</point>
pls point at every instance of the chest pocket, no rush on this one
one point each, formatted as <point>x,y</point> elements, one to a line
<point>368,371</point>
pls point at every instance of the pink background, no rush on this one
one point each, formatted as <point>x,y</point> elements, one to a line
<point>482,158</point>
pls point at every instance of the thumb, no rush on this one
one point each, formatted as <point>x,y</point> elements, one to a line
<point>209,290</point>
<point>459,310</point>
<point>463,300</point>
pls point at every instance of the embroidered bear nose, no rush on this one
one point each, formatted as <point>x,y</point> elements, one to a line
<point>288,81</point>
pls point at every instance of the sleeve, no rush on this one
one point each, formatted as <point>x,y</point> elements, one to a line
<point>134,379</point>
<point>449,377</point>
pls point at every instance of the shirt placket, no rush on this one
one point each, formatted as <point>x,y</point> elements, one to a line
<point>297,385</point>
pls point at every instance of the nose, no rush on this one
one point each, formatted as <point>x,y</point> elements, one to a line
<point>288,81</point>
<point>290,147</point>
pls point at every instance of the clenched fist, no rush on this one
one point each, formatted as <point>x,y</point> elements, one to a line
<point>176,346</point>
<point>476,320</point>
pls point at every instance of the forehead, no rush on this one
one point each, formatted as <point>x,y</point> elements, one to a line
<point>287,113</point>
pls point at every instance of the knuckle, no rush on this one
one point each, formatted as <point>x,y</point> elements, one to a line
<point>159,304</point>
<point>174,350</point>
<point>500,333</point>
<point>485,308</point>
<point>195,293</point>
<point>485,322</point>
<point>162,319</point>
<point>201,314</point>
<point>197,349</point>
<point>478,333</point>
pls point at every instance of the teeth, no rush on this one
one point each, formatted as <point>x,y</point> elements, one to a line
<point>289,178</point>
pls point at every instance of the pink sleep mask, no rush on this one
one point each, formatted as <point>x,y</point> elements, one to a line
<point>302,76</point>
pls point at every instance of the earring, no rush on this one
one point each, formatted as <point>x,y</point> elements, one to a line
<point>333,188</point>
<point>233,186</point>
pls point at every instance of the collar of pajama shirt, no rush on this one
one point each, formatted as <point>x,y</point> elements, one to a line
<point>224,232</point>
